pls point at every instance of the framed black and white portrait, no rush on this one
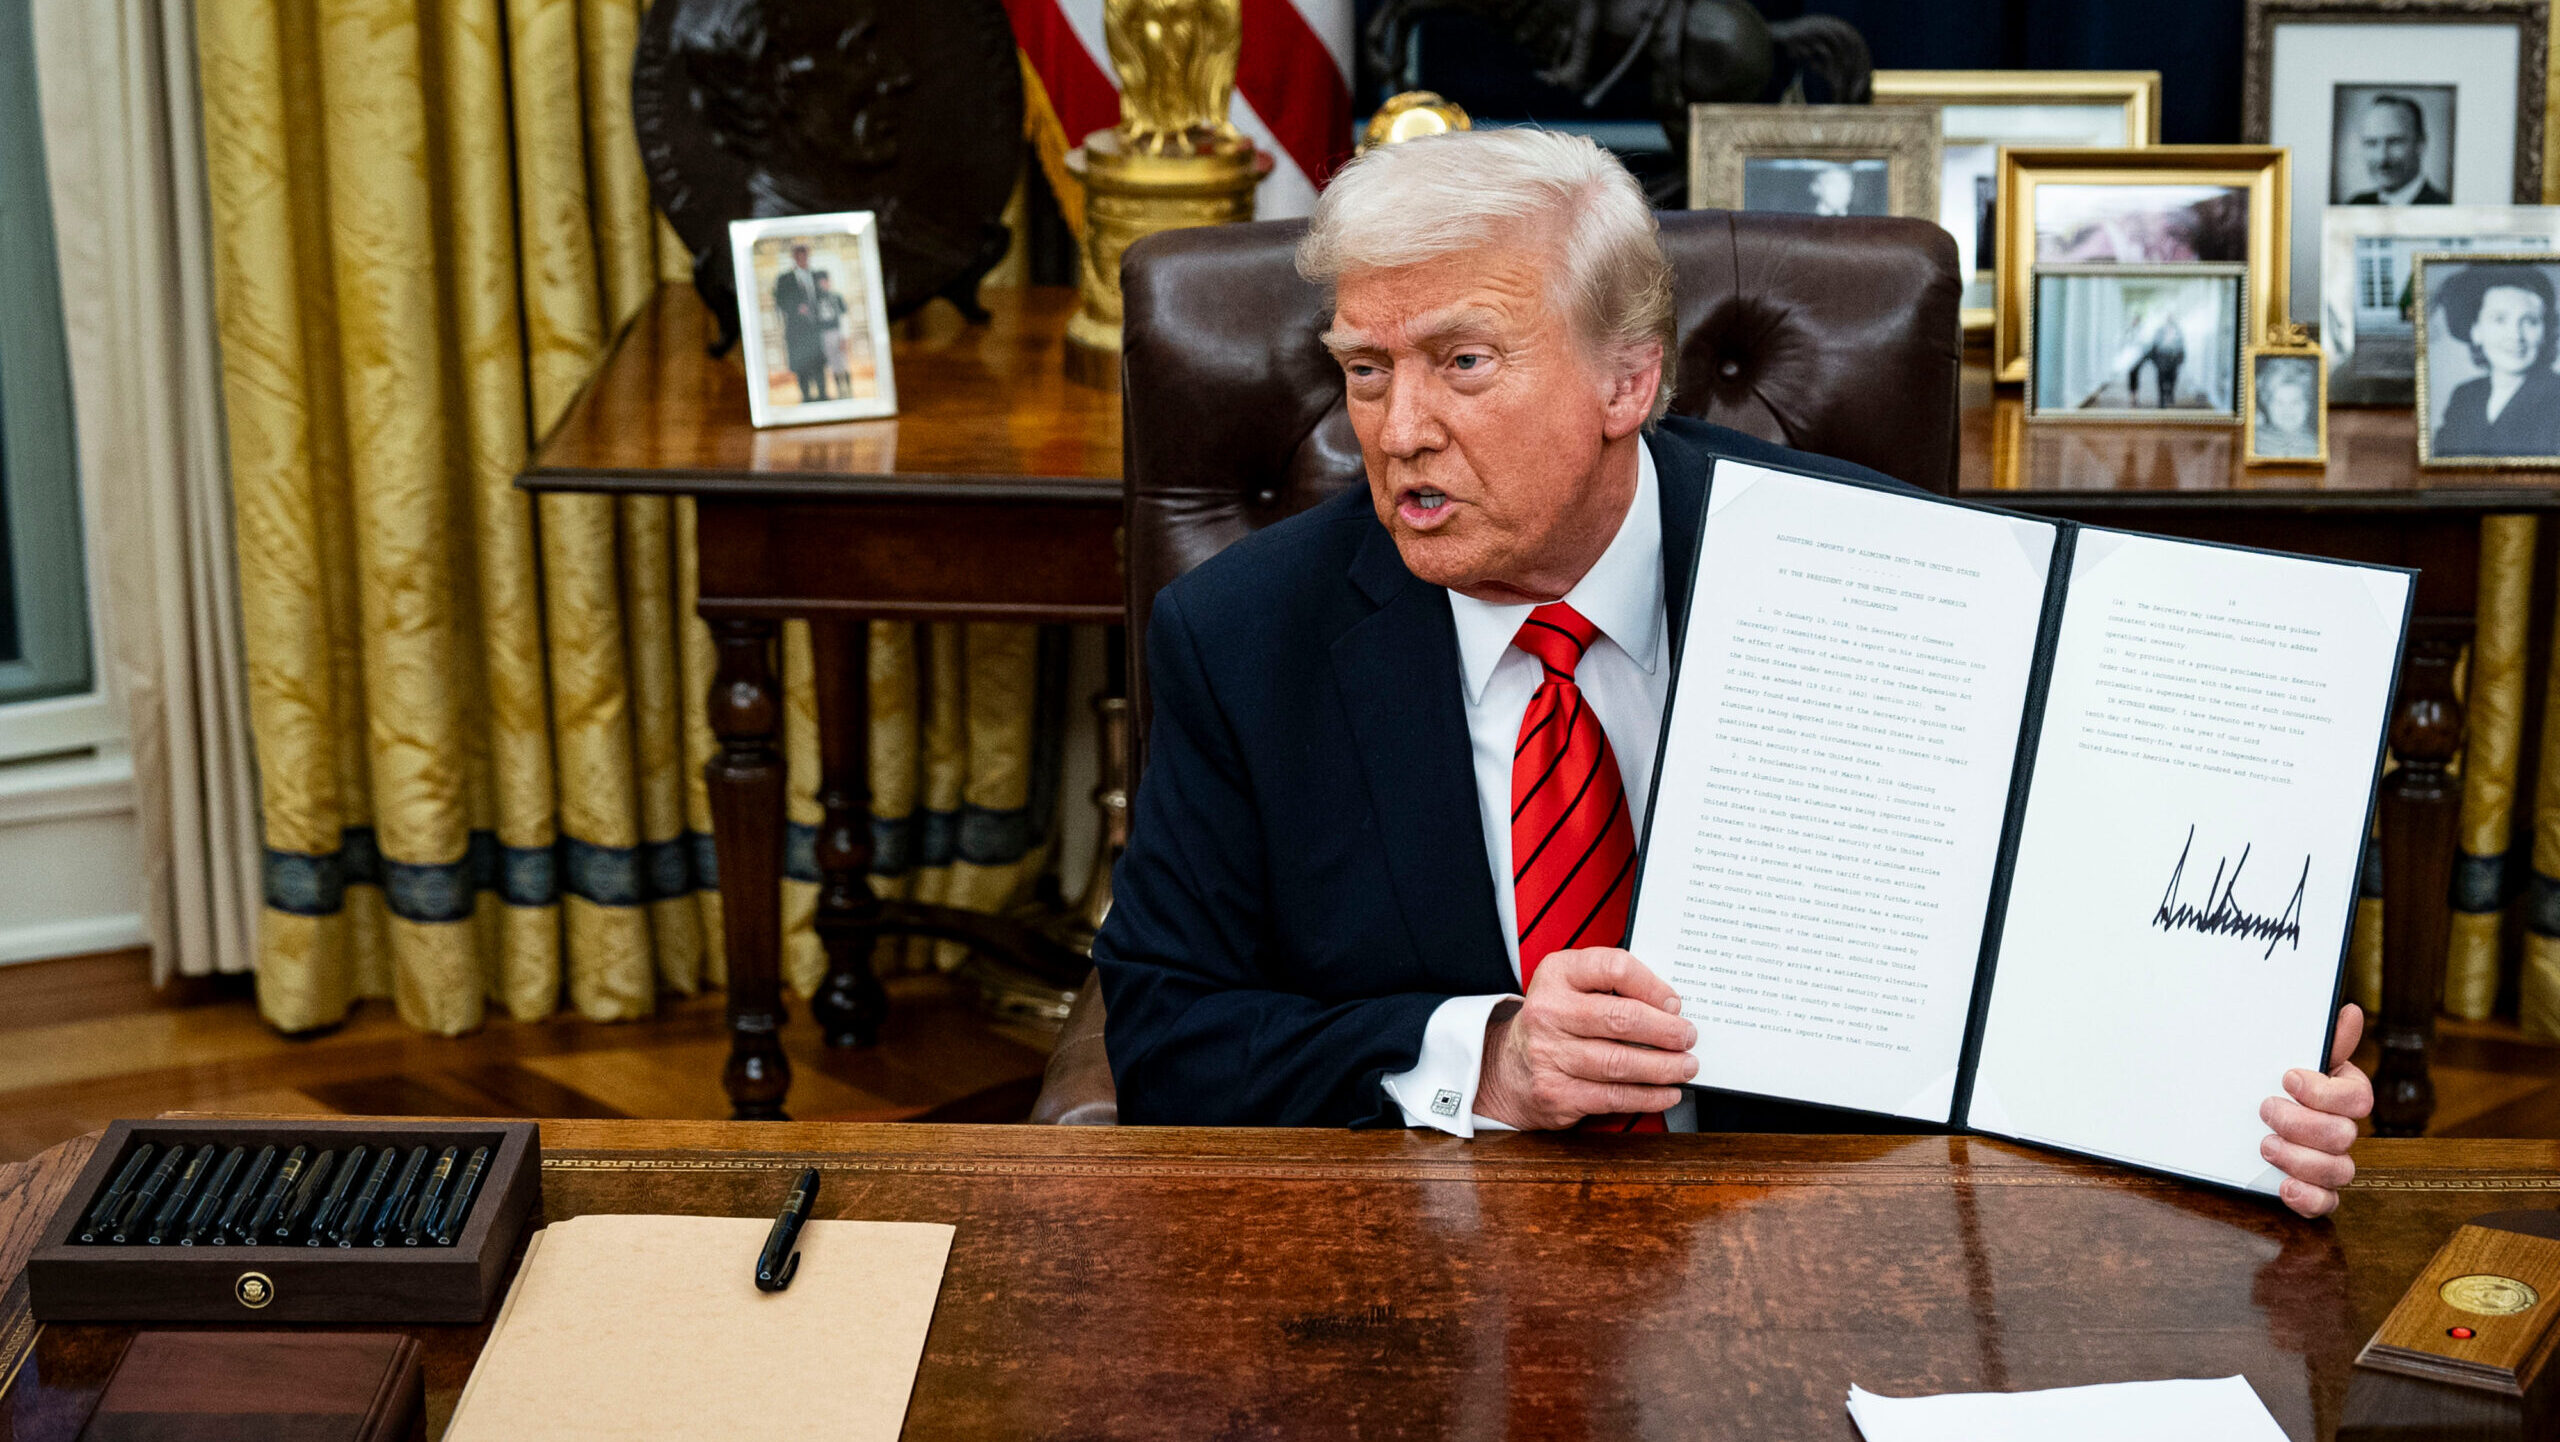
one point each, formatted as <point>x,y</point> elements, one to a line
<point>1840,160</point>
<point>2395,104</point>
<point>1801,185</point>
<point>2284,398</point>
<point>2391,144</point>
<point>2136,343</point>
<point>813,320</point>
<point>2488,390</point>
<point>2368,292</point>
<point>1981,110</point>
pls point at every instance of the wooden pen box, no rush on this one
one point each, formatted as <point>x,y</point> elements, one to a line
<point>71,1281</point>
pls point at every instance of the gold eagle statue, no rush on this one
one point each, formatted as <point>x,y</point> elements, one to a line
<point>1177,66</point>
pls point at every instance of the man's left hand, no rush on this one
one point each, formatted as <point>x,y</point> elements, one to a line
<point>2315,1123</point>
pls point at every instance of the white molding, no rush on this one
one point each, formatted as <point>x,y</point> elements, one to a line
<point>34,792</point>
<point>81,937</point>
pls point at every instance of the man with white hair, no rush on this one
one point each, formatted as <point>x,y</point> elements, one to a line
<point>1382,856</point>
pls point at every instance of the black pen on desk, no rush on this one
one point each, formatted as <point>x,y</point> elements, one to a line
<point>332,1200</point>
<point>208,1202</point>
<point>458,1210</point>
<point>360,1210</point>
<point>129,1223</point>
<point>254,1230</point>
<point>226,1228</point>
<point>422,1217</point>
<point>173,1208</point>
<point>780,1260</point>
<point>102,1216</point>
<point>386,1218</point>
<point>305,1197</point>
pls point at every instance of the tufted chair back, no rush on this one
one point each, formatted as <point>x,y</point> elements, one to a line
<point>1834,336</point>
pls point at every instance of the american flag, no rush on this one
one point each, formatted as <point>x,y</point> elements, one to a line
<point>1292,97</point>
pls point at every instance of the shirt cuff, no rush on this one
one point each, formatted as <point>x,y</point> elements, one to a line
<point>1440,1089</point>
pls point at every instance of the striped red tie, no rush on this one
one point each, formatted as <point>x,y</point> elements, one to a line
<point>1573,845</point>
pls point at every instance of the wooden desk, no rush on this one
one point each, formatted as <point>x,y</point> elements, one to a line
<point>2370,502</point>
<point>1126,1282</point>
<point>993,496</point>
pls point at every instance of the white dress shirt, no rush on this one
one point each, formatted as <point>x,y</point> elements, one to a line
<point>1624,676</point>
<point>2406,194</point>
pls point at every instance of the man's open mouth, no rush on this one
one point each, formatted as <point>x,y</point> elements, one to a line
<point>1425,498</point>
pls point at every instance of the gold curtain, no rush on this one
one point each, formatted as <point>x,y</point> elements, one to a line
<point>478,717</point>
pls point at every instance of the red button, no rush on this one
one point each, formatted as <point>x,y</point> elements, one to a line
<point>2459,1334</point>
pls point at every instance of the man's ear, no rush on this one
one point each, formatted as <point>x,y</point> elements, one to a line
<point>1629,402</point>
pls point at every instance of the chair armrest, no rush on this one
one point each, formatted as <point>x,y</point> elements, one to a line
<point>1077,1090</point>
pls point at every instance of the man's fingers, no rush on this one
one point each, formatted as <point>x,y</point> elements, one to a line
<point>1593,1099</point>
<point>2350,1032</point>
<point>1609,1061</point>
<point>1606,968</point>
<point>2303,1126</point>
<point>2348,1093</point>
<point>2307,1199</point>
<point>2305,1164</point>
<point>1605,1017</point>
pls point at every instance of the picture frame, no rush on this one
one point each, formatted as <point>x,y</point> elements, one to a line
<point>2455,381</point>
<point>2092,326</point>
<point>2395,102</point>
<point>1980,111</point>
<point>2239,191</point>
<point>2366,254</point>
<point>828,359</point>
<point>2284,402</point>
<point>1802,159</point>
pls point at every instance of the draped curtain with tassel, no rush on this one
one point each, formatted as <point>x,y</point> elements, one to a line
<point>479,718</point>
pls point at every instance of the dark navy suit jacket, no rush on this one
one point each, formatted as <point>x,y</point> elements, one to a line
<point>1305,880</point>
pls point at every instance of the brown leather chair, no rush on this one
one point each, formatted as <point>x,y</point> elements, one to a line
<point>1834,336</point>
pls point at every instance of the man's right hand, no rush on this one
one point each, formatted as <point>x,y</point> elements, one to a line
<point>1597,1033</point>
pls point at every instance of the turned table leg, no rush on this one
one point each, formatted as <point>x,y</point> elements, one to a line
<point>745,780</point>
<point>2421,817</point>
<point>849,1005</point>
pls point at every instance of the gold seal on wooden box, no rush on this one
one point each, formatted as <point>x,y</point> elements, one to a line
<point>2485,1294</point>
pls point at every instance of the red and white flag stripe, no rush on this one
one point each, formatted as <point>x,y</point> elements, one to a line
<point>1293,85</point>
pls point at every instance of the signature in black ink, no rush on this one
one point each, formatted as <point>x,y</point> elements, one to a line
<point>2223,914</point>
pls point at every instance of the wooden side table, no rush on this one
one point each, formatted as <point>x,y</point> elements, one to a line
<point>2369,503</point>
<point>993,496</point>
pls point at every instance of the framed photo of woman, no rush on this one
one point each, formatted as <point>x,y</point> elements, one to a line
<point>2283,398</point>
<point>2488,333</point>
<point>813,319</point>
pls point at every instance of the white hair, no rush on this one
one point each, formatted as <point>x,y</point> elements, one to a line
<point>1438,195</point>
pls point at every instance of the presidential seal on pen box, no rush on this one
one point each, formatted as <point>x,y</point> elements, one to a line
<point>310,1220</point>
<point>2467,1350</point>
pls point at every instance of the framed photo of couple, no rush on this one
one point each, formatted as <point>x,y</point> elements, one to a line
<point>2395,105</point>
<point>1981,110</point>
<point>813,320</point>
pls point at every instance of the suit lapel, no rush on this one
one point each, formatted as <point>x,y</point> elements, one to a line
<point>1398,668</point>
<point>1680,475</point>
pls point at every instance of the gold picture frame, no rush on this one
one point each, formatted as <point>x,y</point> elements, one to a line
<point>2291,344</point>
<point>1733,147</point>
<point>2214,302</point>
<point>2421,283</point>
<point>1981,109</point>
<point>2029,175</point>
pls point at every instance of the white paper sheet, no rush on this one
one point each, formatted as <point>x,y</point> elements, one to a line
<point>2223,1409</point>
<point>1834,775</point>
<point>2187,870</point>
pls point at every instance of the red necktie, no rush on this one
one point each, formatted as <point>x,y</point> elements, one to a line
<point>1573,845</point>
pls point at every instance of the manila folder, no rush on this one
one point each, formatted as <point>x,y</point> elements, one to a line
<point>624,1326</point>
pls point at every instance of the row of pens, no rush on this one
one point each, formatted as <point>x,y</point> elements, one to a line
<point>208,1197</point>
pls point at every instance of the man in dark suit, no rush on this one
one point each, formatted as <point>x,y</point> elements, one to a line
<point>2392,138</point>
<point>1381,861</point>
<point>795,295</point>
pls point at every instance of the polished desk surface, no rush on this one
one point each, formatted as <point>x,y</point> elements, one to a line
<point>1182,1283</point>
<point>979,408</point>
